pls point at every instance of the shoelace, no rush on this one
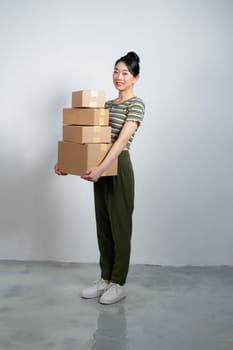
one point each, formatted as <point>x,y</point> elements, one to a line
<point>98,282</point>
<point>95,282</point>
<point>113,286</point>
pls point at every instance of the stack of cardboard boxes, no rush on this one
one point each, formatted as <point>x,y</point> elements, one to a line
<point>86,134</point>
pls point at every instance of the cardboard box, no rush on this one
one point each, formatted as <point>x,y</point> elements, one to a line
<point>88,98</point>
<point>75,158</point>
<point>86,116</point>
<point>87,134</point>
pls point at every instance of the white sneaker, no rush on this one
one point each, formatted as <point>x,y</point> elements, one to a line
<point>96,290</point>
<point>114,293</point>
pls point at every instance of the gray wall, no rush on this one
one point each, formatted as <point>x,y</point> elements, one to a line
<point>182,154</point>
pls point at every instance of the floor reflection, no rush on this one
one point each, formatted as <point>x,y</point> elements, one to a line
<point>111,328</point>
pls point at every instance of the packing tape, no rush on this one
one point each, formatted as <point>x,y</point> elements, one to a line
<point>93,104</point>
<point>94,93</point>
<point>103,147</point>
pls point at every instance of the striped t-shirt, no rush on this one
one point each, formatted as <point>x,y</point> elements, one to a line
<point>128,110</point>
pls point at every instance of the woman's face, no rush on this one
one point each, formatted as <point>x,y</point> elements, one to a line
<point>123,80</point>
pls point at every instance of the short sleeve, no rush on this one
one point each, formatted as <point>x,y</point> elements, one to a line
<point>135,111</point>
<point>107,104</point>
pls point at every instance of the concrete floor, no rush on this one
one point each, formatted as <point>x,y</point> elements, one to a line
<point>167,308</point>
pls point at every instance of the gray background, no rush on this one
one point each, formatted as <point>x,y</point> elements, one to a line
<point>182,154</point>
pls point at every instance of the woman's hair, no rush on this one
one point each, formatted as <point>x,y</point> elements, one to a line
<point>132,62</point>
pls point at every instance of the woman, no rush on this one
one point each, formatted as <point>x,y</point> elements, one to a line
<point>114,195</point>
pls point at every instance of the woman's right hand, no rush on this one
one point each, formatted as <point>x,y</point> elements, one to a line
<point>57,170</point>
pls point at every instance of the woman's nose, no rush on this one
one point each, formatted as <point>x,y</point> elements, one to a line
<point>119,75</point>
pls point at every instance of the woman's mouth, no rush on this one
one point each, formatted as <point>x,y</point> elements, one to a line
<point>118,83</point>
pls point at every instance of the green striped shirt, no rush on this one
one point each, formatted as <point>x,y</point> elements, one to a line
<point>128,110</point>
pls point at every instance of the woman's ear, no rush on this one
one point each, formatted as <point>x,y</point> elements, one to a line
<point>137,78</point>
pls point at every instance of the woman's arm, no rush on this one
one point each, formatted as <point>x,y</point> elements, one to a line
<point>127,131</point>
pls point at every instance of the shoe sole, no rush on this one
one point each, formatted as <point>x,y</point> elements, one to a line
<point>108,302</point>
<point>92,296</point>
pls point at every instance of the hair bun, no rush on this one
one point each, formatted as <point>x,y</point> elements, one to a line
<point>133,55</point>
<point>131,60</point>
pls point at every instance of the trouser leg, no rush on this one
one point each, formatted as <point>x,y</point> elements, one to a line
<point>121,218</point>
<point>103,226</point>
<point>114,202</point>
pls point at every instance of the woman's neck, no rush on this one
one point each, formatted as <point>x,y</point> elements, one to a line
<point>124,95</point>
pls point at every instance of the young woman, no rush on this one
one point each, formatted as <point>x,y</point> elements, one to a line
<point>114,195</point>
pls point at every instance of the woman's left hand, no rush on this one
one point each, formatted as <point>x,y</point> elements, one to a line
<point>92,174</point>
